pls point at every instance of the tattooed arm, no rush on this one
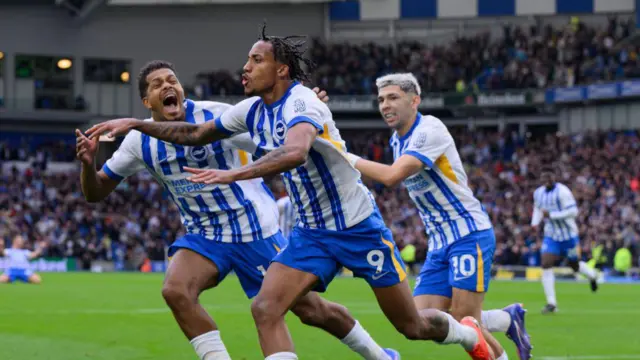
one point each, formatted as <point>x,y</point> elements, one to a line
<point>292,154</point>
<point>177,132</point>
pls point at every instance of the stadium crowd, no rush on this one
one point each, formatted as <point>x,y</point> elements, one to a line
<point>137,221</point>
<point>537,57</point>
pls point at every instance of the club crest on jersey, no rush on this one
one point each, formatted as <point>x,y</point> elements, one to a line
<point>199,153</point>
<point>299,106</point>
<point>280,131</point>
<point>419,139</point>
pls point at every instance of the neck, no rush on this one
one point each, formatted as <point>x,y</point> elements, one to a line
<point>160,118</point>
<point>277,92</point>
<point>404,129</point>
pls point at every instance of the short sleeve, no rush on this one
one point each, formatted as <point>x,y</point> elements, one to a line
<point>428,146</point>
<point>566,199</point>
<point>127,160</point>
<point>234,120</point>
<point>242,142</point>
<point>305,108</point>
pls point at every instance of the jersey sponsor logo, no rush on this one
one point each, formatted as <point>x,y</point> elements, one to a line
<point>416,183</point>
<point>280,131</point>
<point>199,153</point>
<point>184,186</point>
<point>299,106</point>
<point>419,139</point>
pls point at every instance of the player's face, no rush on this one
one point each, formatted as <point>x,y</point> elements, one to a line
<point>261,70</point>
<point>165,95</point>
<point>396,106</point>
<point>18,242</point>
<point>548,180</point>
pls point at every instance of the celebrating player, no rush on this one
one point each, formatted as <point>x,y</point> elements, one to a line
<point>18,267</point>
<point>338,223</point>
<point>456,274</point>
<point>229,227</point>
<point>554,203</point>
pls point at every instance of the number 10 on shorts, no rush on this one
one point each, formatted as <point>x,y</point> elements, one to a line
<point>464,266</point>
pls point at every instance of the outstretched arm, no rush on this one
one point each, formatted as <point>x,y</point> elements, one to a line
<point>176,132</point>
<point>389,175</point>
<point>290,155</point>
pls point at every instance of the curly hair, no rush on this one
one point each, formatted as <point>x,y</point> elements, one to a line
<point>289,50</point>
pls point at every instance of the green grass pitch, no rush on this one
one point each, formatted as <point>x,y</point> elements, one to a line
<point>79,316</point>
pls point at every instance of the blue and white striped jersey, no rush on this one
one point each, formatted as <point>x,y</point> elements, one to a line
<point>287,215</point>
<point>326,190</point>
<point>445,202</point>
<point>18,259</point>
<point>562,208</point>
<point>244,211</point>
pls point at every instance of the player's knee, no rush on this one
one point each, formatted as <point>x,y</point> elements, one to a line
<point>263,310</point>
<point>35,280</point>
<point>176,296</point>
<point>574,264</point>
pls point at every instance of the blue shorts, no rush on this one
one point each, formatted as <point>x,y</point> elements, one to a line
<point>464,264</point>
<point>566,248</point>
<point>248,260</point>
<point>367,249</point>
<point>18,274</point>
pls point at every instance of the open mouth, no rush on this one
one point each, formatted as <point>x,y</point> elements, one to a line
<point>245,80</point>
<point>170,102</point>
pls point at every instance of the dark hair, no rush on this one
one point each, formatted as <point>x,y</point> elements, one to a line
<point>148,69</point>
<point>289,50</point>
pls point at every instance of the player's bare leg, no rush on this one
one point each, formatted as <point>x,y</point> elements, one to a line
<point>430,324</point>
<point>509,320</point>
<point>189,274</point>
<point>281,289</point>
<point>467,303</point>
<point>549,282</point>
<point>335,319</point>
<point>580,267</point>
<point>35,279</point>
<point>4,279</point>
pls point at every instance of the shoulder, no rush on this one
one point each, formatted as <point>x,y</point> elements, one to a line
<point>431,123</point>
<point>301,99</point>
<point>217,108</point>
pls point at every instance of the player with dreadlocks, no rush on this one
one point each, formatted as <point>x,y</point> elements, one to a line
<point>338,224</point>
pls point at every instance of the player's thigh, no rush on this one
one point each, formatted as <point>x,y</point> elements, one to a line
<point>466,303</point>
<point>470,260</point>
<point>551,252</point>
<point>281,289</point>
<point>196,264</point>
<point>396,302</point>
<point>251,261</point>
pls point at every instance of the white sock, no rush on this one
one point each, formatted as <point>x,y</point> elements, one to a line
<point>503,356</point>
<point>361,342</point>
<point>209,346</point>
<point>282,356</point>
<point>496,320</point>
<point>587,271</point>
<point>460,334</point>
<point>548,282</point>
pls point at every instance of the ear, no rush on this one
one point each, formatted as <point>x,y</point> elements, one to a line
<point>146,103</point>
<point>283,71</point>
<point>415,101</point>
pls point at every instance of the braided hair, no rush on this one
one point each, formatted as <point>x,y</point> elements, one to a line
<point>289,50</point>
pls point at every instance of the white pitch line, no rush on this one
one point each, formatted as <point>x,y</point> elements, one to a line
<point>590,357</point>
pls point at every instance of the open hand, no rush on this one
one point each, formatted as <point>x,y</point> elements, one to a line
<point>86,148</point>
<point>113,128</point>
<point>210,176</point>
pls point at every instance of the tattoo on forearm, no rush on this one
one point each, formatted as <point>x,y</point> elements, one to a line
<point>272,163</point>
<point>178,132</point>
